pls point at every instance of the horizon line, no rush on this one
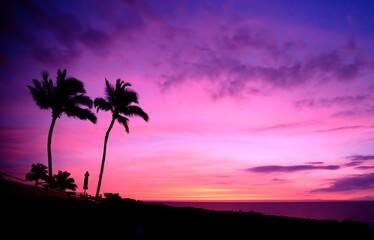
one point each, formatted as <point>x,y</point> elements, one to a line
<point>264,200</point>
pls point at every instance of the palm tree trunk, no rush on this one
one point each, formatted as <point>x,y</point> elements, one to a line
<point>104,153</point>
<point>49,149</point>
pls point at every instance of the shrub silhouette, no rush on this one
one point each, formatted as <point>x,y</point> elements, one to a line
<point>38,172</point>
<point>112,196</point>
<point>62,181</point>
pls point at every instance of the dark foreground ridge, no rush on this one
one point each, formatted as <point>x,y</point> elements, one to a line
<point>47,216</point>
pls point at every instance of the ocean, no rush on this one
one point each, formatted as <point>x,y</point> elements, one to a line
<point>362,211</point>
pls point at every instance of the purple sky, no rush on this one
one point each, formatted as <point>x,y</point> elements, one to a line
<point>247,99</point>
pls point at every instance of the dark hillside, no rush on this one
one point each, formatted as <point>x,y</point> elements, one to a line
<point>46,216</point>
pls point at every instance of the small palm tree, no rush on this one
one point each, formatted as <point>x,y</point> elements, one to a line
<point>63,182</point>
<point>64,96</point>
<point>119,100</point>
<point>38,171</point>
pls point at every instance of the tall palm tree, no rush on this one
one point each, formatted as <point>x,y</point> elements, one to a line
<point>119,100</point>
<point>38,171</point>
<point>63,182</point>
<point>64,96</point>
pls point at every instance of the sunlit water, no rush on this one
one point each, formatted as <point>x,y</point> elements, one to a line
<point>362,211</point>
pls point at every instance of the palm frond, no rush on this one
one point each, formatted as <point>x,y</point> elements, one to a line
<point>41,99</point>
<point>124,85</point>
<point>73,86</point>
<point>47,84</point>
<point>82,100</point>
<point>124,121</point>
<point>37,85</point>
<point>60,77</point>
<point>126,97</point>
<point>61,74</point>
<point>101,103</point>
<point>119,84</point>
<point>109,91</point>
<point>81,113</point>
<point>134,111</point>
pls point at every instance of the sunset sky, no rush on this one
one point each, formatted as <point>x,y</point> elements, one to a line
<point>248,100</point>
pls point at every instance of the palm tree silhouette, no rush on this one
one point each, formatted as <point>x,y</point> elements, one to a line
<point>65,96</point>
<point>118,100</point>
<point>63,182</point>
<point>38,171</point>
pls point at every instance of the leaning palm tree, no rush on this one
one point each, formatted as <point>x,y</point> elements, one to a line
<point>38,171</point>
<point>119,100</point>
<point>64,96</point>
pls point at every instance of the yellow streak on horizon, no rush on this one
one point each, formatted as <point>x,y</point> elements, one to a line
<point>209,190</point>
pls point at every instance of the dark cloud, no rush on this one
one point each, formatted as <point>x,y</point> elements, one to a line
<point>333,63</point>
<point>350,44</point>
<point>341,128</point>
<point>329,102</point>
<point>132,17</point>
<point>365,110</point>
<point>280,181</point>
<point>13,15</point>
<point>47,34</point>
<point>245,37</point>
<point>344,114</point>
<point>353,164</point>
<point>361,157</point>
<point>55,56</point>
<point>315,162</point>
<point>286,126</point>
<point>351,183</point>
<point>294,168</point>
<point>229,56</point>
<point>95,39</point>
<point>28,19</point>
<point>235,76</point>
<point>233,57</point>
<point>56,35</point>
<point>365,167</point>
<point>296,45</point>
<point>358,160</point>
